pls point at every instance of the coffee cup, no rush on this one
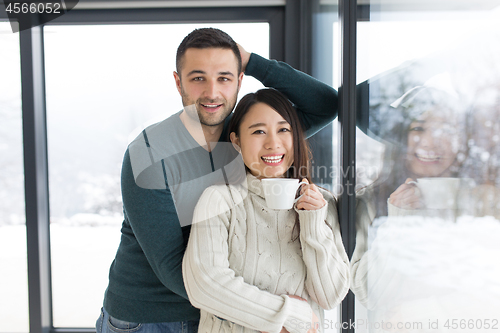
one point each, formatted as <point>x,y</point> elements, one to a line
<point>438,192</point>
<point>280,192</point>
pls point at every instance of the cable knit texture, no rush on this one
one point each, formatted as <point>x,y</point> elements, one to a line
<point>242,261</point>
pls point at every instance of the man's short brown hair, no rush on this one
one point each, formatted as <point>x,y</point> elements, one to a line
<point>207,38</point>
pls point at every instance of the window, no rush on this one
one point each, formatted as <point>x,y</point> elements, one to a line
<point>13,255</point>
<point>104,84</point>
<point>431,215</point>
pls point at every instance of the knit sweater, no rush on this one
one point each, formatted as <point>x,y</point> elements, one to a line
<point>242,261</point>
<point>145,279</point>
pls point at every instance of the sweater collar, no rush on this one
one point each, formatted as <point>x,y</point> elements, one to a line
<point>255,185</point>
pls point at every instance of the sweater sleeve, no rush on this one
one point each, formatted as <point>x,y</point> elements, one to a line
<point>360,261</point>
<point>316,102</point>
<point>327,278</point>
<point>153,219</point>
<point>214,287</point>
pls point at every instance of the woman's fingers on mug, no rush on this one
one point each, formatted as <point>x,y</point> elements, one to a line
<point>304,205</point>
<point>406,196</point>
<point>410,181</point>
<point>311,199</point>
<point>309,187</point>
<point>403,188</point>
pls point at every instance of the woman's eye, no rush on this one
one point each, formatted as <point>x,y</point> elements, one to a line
<point>258,132</point>
<point>417,129</point>
<point>285,130</point>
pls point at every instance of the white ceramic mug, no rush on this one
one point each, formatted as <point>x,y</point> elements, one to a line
<point>280,192</point>
<point>438,192</point>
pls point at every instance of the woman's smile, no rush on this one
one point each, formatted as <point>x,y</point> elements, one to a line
<point>275,159</point>
<point>431,149</point>
<point>425,156</point>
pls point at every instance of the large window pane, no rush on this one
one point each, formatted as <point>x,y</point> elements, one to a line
<point>104,84</point>
<point>13,258</point>
<point>426,251</point>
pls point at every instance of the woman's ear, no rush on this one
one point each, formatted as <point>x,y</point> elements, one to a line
<point>235,141</point>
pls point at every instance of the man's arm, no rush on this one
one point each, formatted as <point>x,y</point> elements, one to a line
<point>316,102</point>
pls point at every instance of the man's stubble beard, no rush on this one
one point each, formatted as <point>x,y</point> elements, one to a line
<point>199,116</point>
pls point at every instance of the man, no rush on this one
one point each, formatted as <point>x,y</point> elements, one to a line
<point>167,167</point>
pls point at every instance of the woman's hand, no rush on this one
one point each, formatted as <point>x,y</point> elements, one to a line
<point>311,199</point>
<point>407,196</point>
<point>245,57</point>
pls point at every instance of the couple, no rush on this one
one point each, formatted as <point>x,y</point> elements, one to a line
<point>248,267</point>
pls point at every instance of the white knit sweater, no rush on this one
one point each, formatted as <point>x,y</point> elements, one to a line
<point>242,261</point>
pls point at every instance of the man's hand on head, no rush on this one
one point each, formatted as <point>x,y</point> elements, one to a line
<point>245,57</point>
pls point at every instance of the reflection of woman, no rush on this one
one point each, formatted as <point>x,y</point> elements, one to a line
<point>397,267</point>
<point>250,268</point>
<point>430,143</point>
<point>431,152</point>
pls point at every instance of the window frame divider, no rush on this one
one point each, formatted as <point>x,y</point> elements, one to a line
<point>36,186</point>
<point>347,139</point>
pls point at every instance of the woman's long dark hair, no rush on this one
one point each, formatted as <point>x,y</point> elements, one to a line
<point>279,103</point>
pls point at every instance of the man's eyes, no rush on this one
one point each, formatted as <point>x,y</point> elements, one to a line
<point>221,79</point>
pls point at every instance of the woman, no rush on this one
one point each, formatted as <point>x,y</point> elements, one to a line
<point>250,268</point>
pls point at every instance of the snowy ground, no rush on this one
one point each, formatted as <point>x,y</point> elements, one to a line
<point>13,279</point>
<point>453,267</point>
<point>81,256</point>
<point>427,270</point>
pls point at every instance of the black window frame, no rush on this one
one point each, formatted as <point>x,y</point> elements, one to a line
<point>291,39</point>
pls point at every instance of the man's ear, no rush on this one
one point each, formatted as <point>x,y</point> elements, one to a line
<point>235,141</point>
<point>240,78</point>
<point>177,78</point>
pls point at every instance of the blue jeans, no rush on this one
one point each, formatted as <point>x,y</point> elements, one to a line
<point>107,324</point>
